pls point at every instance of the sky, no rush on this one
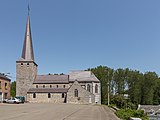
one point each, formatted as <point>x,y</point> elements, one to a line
<point>80,34</point>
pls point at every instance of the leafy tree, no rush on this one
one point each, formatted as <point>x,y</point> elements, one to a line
<point>135,80</point>
<point>148,87</point>
<point>13,89</point>
<point>141,88</point>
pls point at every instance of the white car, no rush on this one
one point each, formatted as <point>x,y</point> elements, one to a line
<point>13,100</point>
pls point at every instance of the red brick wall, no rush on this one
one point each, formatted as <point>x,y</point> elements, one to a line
<point>5,87</point>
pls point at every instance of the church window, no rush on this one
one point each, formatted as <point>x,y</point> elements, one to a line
<point>57,86</point>
<point>49,95</point>
<point>89,87</point>
<point>62,95</point>
<point>36,86</point>
<point>96,88</point>
<point>43,86</point>
<point>64,86</point>
<point>75,93</point>
<point>34,95</point>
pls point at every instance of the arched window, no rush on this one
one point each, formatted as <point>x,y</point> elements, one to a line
<point>34,95</point>
<point>43,86</point>
<point>89,87</point>
<point>96,88</point>
<point>50,86</point>
<point>57,86</point>
<point>49,95</point>
<point>36,86</point>
<point>75,93</point>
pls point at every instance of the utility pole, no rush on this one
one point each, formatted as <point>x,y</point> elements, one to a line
<point>108,94</point>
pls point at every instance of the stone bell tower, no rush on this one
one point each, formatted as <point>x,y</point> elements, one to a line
<point>26,68</point>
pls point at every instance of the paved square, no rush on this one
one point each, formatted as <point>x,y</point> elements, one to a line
<point>55,112</point>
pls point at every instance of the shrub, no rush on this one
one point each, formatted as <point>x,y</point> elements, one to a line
<point>125,114</point>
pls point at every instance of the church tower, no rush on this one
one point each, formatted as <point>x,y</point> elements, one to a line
<point>26,68</point>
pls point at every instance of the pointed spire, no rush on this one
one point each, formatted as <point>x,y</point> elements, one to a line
<point>27,53</point>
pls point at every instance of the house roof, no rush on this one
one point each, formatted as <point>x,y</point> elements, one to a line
<point>47,90</point>
<point>4,77</point>
<point>49,79</point>
<point>82,76</point>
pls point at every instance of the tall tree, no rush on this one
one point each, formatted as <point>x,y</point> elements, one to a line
<point>135,79</point>
<point>13,89</point>
<point>148,87</point>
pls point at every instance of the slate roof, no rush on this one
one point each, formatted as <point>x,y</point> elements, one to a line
<point>4,77</point>
<point>47,90</point>
<point>49,79</point>
<point>27,53</point>
<point>82,76</point>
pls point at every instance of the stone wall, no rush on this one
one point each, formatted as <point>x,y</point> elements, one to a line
<point>84,97</point>
<point>43,98</point>
<point>25,75</point>
<point>98,94</point>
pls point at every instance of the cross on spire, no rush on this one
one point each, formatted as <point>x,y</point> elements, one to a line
<point>28,9</point>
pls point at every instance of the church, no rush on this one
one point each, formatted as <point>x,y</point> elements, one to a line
<point>78,87</point>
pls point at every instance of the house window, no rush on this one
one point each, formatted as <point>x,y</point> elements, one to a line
<point>36,86</point>
<point>57,86</point>
<point>96,88</point>
<point>5,86</point>
<point>34,95</point>
<point>64,86</point>
<point>88,87</point>
<point>43,86</point>
<point>75,93</point>
<point>49,95</point>
<point>50,86</point>
<point>62,95</point>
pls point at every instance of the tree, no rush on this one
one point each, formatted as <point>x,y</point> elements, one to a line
<point>148,87</point>
<point>13,89</point>
<point>135,79</point>
<point>141,88</point>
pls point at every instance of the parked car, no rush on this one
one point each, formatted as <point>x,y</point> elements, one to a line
<point>4,101</point>
<point>21,98</point>
<point>13,100</point>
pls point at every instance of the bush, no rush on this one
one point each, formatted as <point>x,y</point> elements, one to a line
<point>125,114</point>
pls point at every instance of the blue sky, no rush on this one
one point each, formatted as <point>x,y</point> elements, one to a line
<point>80,34</point>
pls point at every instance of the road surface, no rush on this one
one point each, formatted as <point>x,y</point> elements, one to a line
<point>55,112</point>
